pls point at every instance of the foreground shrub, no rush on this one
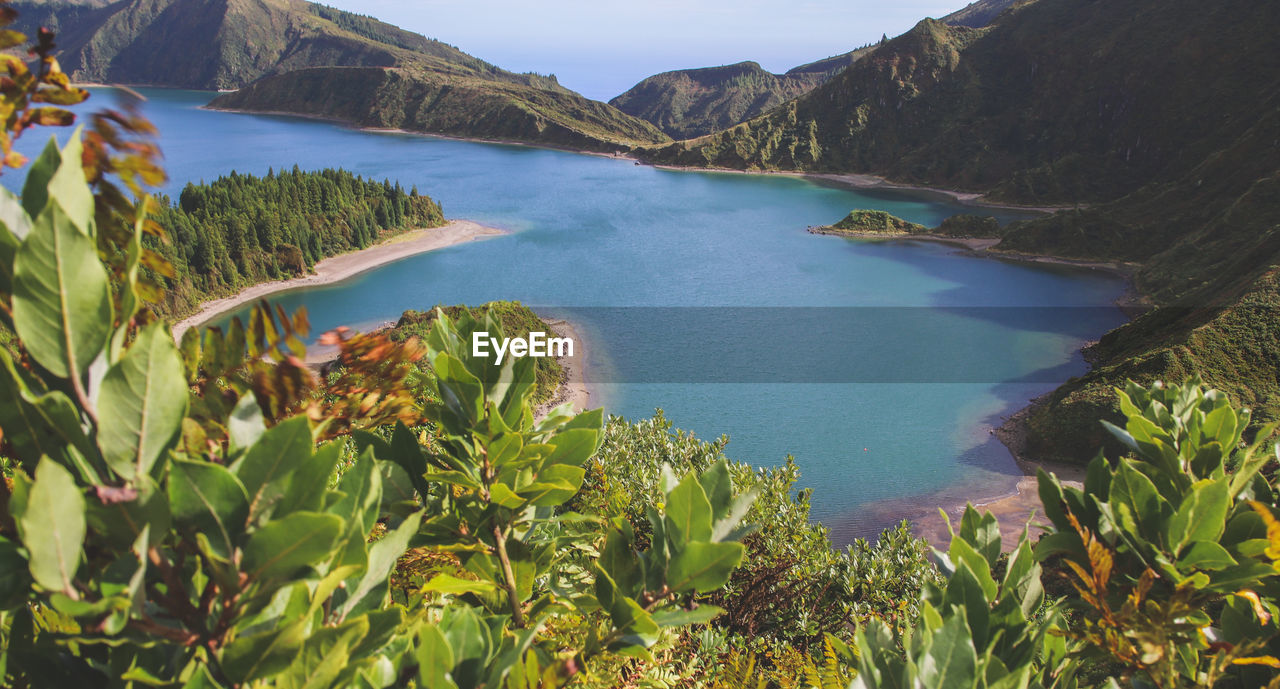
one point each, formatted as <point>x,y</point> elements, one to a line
<point>171,519</point>
<point>794,591</point>
<point>1171,551</point>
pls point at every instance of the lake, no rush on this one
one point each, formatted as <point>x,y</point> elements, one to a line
<point>881,366</point>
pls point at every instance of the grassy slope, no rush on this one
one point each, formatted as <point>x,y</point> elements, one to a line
<point>978,14</point>
<point>688,103</point>
<point>423,101</point>
<point>277,45</point>
<point>223,44</point>
<point>692,102</point>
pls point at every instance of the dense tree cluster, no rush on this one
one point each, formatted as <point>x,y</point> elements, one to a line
<point>242,229</point>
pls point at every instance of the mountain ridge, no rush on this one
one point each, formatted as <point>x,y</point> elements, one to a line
<point>116,43</point>
<point>688,103</point>
<point>260,45</point>
<point>399,98</point>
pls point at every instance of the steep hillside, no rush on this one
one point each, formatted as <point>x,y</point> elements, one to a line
<point>692,102</point>
<point>284,48</point>
<point>1060,101</point>
<point>422,101</point>
<point>978,14</point>
<point>222,44</point>
<point>687,103</point>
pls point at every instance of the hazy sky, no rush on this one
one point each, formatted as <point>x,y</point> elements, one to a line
<point>603,47</point>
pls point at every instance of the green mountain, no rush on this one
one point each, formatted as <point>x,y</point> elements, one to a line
<point>978,14</point>
<point>688,103</point>
<point>1060,101</point>
<point>692,102</point>
<point>424,101</point>
<point>225,44</point>
<point>309,59</point>
<point>1164,116</point>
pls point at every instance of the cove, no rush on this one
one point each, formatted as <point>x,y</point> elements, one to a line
<point>880,366</point>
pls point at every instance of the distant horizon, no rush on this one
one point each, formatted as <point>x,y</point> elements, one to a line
<point>564,37</point>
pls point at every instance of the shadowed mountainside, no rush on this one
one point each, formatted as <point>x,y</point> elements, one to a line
<point>224,44</point>
<point>688,103</point>
<point>692,102</point>
<point>412,100</point>
<point>282,48</point>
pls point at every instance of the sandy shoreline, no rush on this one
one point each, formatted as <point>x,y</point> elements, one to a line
<point>573,389</point>
<point>343,266</point>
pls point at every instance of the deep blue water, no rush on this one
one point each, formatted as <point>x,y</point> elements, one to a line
<point>899,398</point>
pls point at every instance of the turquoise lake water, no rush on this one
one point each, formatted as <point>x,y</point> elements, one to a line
<point>884,388</point>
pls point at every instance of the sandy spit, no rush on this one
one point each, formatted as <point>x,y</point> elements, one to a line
<point>338,268</point>
<point>573,388</point>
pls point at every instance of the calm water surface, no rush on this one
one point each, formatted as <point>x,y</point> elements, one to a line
<point>591,232</point>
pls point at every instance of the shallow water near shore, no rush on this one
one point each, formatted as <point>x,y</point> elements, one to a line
<point>951,342</point>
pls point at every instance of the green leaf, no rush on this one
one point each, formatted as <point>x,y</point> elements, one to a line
<point>266,467</point>
<point>245,426</point>
<point>285,546</point>
<point>323,656</point>
<point>469,641</point>
<point>500,494</point>
<point>308,482</point>
<point>120,523</point>
<point>1137,504</point>
<point>39,425</point>
<point>638,627</point>
<point>703,567</point>
<point>680,618</point>
<point>35,191</point>
<point>573,447</point>
<point>443,583</point>
<point>1202,516</point>
<point>718,486</point>
<point>688,512</point>
<point>951,661</point>
<point>435,657</point>
<point>201,679</point>
<point>382,559</point>
<point>982,532</point>
<point>1206,555</point>
<point>1220,425</point>
<point>210,499</point>
<point>14,227</point>
<point>361,488</point>
<point>69,189</point>
<point>142,403</point>
<point>61,301</point>
<point>13,216</point>
<point>53,527</point>
<point>263,655</point>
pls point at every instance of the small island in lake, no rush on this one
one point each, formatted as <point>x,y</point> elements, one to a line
<point>873,223</point>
